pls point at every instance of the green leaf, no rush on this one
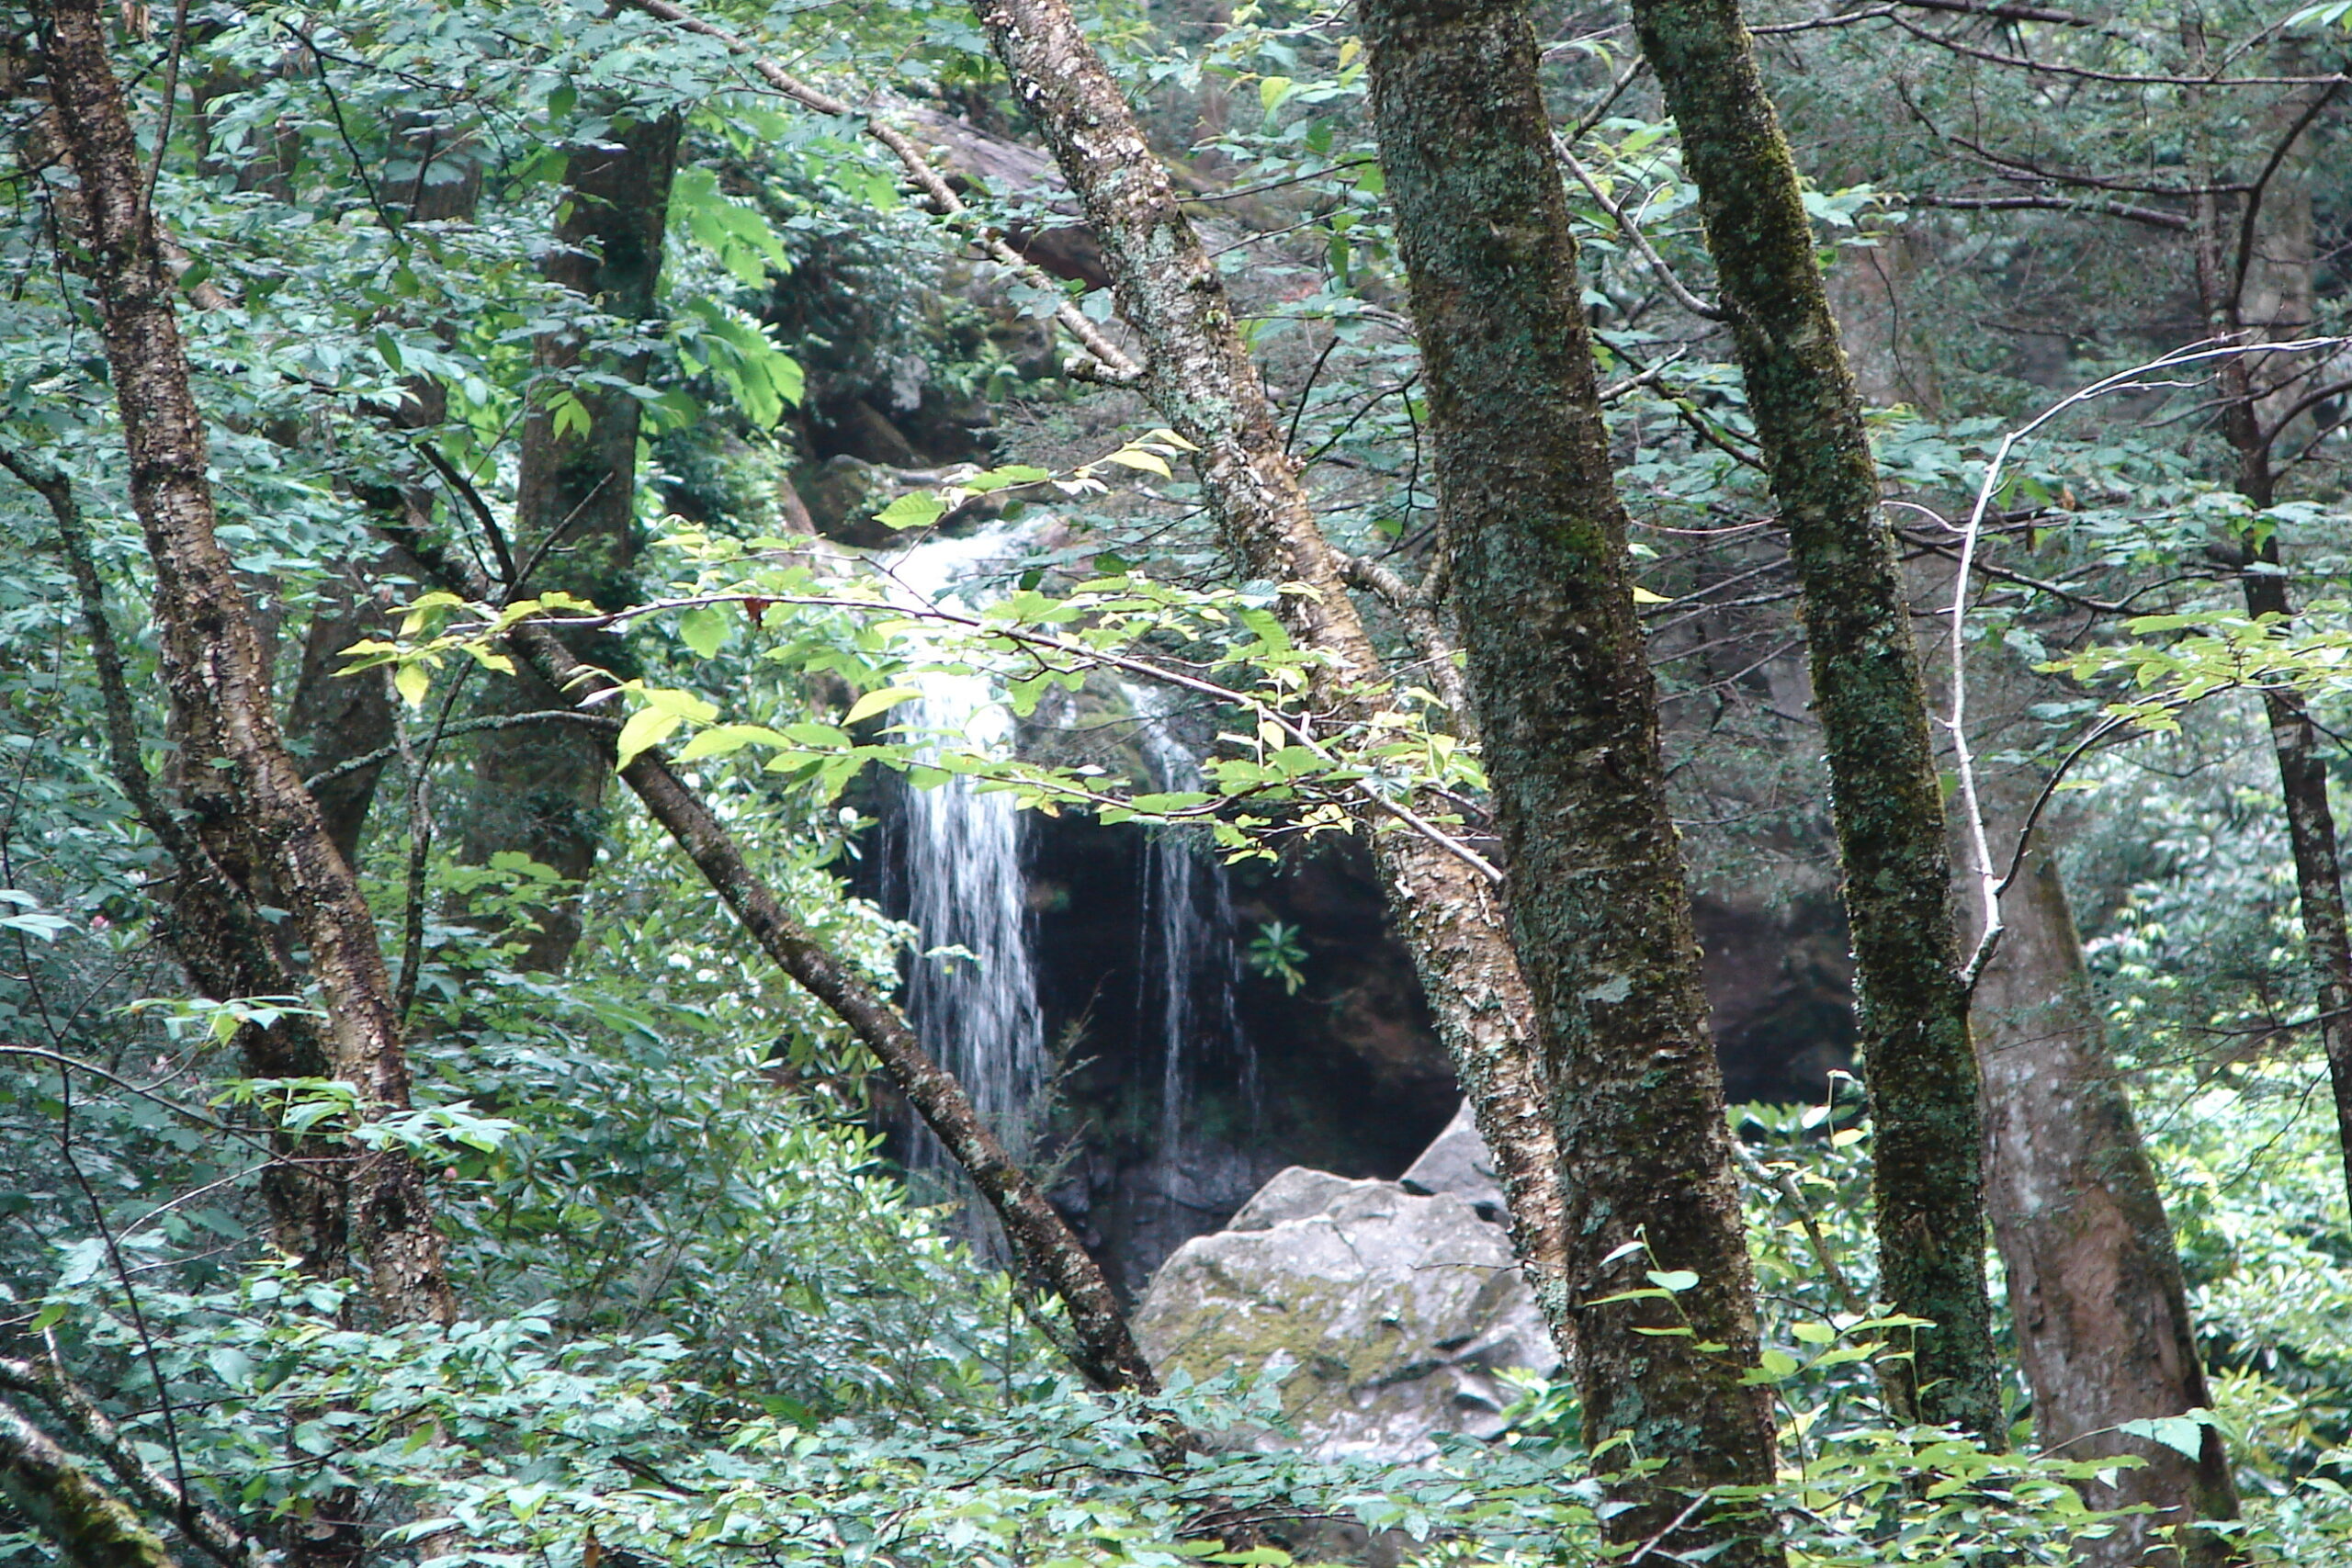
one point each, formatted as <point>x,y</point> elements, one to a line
<point>918,510</point>
<point>2183,1434</point>
<point>703,629</point>
<point>646,729</point>
<point>1778,1364</point>
<point>883,701</point>
<point>412,680</point>
<point>1136,458</point>
<point>726,739</point>
<point>1676,1279</point>
<point>570,417</point>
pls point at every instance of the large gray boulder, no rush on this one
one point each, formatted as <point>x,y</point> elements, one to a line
<point>1385,1317</point>
<point>1458,1163</point>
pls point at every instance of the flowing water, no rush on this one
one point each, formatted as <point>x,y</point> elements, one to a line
<point>1190,965</point>
<point>957,858</point>
<point>953,866</point>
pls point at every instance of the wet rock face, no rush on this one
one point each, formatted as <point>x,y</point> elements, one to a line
<point>1344,1074</point>
<point>1383,1317</point>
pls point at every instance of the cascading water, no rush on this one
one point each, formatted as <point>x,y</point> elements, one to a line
<point>1190,964</point>
<point>952,866</point>
<point>956,861</point>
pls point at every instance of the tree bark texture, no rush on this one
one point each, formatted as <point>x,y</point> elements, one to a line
<point>219,939</point>
<point>1536,545</point>
<point>1919,1069</point>
<point>333,719</point>
<point>540,788</point>
<point>1200,378</point>
<point>1050,1255</point>
<point>91,1528</point>
<point>213,672</point>
<point>2101,1311</point>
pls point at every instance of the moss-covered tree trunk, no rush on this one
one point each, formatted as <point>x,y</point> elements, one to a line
<point>89,1526</point>
<point>1200,378</point>
<point>1598,903</point>
<point>540,788</point>
<point>1919,1068</point>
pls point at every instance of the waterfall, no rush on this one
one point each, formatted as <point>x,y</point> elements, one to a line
<point>1190,965</point>
<point>957,854</point>
<point>952,867</point>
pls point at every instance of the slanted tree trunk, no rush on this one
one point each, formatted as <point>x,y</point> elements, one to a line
<point>2095,1295</point>
<point>1536,546</point>
<point>213,672</point>
<point>90,1527</point>
<point>540,788</point>
<point>1918,1068</point>
<point>1048,1256</point>
<point>1200,378</point>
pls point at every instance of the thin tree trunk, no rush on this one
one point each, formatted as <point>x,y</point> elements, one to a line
<point>331,718</point>
<point>1049,1254</point>
<point>1919,1069</point>
<point>211,660</point>
<point>2319,873</point>
<point>1200,378</point>
<point>2096,1294</point>
<point>2265,292</point>
<point>90,1527</point>
<point>1536,548</point>
<point>540,788</point>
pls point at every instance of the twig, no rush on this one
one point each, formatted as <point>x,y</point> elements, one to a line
<point>1989,885</point>
<point>335,106</point>
<point>1632,231</point>
<point>464,726</point>
<point>1780,1181</point>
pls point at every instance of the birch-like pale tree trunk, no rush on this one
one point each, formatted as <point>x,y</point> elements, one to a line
<point>213,672</point>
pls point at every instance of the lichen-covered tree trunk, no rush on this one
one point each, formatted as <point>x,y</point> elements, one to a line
<point>222,943</point>
<point>540,788</point>
<point>1600,905</point>
<point>1200,378</point>
<point>2096,1294</point>
<point>90,1527</point>
<point>1918,1068</point>
<point>213,672</point>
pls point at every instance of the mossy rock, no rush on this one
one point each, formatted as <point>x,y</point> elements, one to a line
<point>1385,1318</point>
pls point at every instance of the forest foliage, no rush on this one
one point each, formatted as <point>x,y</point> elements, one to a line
<point>703,1317</point>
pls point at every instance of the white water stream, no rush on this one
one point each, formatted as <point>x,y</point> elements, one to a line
<point>960,856</point>
<point>955,859</point>
<point>1190,964</point>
